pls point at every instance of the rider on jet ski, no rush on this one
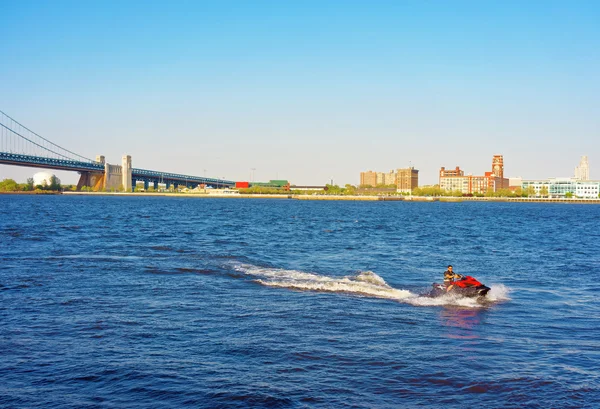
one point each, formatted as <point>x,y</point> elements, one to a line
<point>449,277</point>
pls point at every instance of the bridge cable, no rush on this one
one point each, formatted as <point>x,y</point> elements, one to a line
<point>37,144</point>
<point>39,136</point>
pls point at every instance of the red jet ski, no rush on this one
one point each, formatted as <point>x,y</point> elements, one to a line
<point>466,286</point>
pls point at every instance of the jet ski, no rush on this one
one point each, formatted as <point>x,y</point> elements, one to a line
<point>466,286</point>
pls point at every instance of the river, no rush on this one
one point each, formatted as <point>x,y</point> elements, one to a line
<point>155,302</point>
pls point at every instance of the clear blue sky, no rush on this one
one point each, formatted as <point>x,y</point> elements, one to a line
<point>308,90</point>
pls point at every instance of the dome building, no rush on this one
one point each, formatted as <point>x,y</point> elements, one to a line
<point>40,177</point>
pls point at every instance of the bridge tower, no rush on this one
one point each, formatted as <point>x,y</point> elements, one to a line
<point>126,173</point>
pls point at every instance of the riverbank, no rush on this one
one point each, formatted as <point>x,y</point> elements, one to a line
<point>444,199</point>
<point>31,192</point>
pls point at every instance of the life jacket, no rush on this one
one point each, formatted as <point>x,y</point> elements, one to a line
<point>448,278</point>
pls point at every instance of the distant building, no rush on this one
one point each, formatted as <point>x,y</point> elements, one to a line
<point>515,182</point>
<point>559,187</point>
<point>451,173</point>
<point>373,179</point>
<point>407,179</point>
<point>276,184</point>
<point>582,172</point>
<point>404,179</point>
<point>389,178</point>
<point>455,179</point>
<point>368,178</point>
<point>42,178</point>
<point>498,166</point>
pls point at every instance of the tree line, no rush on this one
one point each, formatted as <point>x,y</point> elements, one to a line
<point>10,185</point>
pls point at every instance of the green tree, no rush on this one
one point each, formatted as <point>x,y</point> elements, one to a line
<point>349,190</point>
<point>504,193</point>
<point>544,191</point>
<point>54,183</point>
<point>569,195</point>
<point>530,191</point>
<point>8,185</point>
<point>334,190</point>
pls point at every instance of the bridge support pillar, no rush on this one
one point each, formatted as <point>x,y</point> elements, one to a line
<point>92,180</point>
<point>156,186</point>
<point>175,185</point>
<point>168,185</point>
<point>126,173</point>
<point>146,185</point>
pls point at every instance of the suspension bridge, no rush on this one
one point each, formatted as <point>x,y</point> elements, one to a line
<point>20,146</point>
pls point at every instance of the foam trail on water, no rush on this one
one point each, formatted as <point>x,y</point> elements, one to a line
<point>364,283</point>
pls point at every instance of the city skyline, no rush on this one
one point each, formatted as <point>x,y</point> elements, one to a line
<point>308,91</point>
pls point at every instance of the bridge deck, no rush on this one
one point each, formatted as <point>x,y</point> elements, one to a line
<point>146,175</point>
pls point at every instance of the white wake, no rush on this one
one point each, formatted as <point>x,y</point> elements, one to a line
<point>365,283</point>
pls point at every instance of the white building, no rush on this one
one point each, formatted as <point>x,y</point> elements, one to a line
<point>582,172</point>
<point>559,187</point>
<point>42,178</point>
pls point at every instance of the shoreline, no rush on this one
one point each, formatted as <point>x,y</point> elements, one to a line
<point>419,199</point>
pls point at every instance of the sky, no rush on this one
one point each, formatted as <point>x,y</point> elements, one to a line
<point>308,91</point>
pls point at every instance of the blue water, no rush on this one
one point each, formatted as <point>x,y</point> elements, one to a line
<point>149,302</point>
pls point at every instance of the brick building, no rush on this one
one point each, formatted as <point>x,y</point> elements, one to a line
<point>404,180</point>
<point>455,179</point>
<point>407,179</point>
<point>368,178</point>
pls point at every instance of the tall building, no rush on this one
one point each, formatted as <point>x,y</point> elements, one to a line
<point>582,172</point>
<point>389,178</point>
<point>498,166</point>
<point>407,179</point>
<point>404,179</point>
<point>368,178</point>
<point>455,179</point>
